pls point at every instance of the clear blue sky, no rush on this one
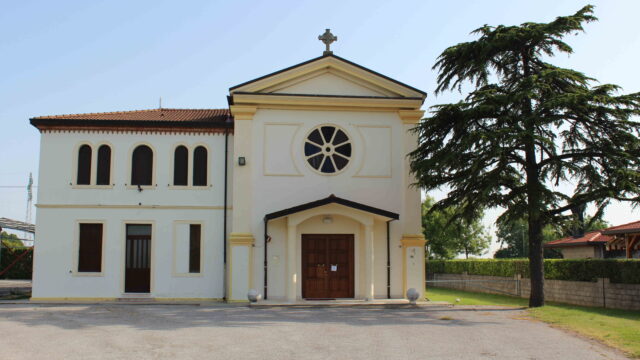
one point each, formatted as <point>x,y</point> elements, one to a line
<point>59,57</point>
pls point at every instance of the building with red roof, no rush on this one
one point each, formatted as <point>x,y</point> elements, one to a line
<point>621,241</point>
<point>299,189</point>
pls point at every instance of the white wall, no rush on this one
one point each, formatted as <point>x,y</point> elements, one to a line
<point>579,252</point>
<point>62,205</point>
<point>283,179</point>
<point>57,169</point>
<point>276,192</point>
<point>340,225</point>
<point>57,250</point>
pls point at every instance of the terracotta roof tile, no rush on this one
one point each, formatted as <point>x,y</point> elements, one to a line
<point>632,227</point>
<point>148,115</point>
<point>590,238</point>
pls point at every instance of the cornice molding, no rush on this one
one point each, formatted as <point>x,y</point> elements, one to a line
<point>243,112</point>
<point>411,116</point>
<point>241,239</point>
<point>409,240</point>
<point>254,101</point>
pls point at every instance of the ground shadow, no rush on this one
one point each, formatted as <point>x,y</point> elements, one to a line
<point>172,317</point>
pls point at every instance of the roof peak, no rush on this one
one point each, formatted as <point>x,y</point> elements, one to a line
<point>324,58</point>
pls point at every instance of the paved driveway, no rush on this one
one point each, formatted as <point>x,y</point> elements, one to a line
<point>226,332</point>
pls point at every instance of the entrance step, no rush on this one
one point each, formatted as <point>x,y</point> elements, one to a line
<point>136,299</point>
<point>338,303</point>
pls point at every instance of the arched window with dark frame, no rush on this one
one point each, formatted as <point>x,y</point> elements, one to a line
<point>180,166</point>
<point>200,166</point>
<point>142,166</point>
<point>83,176</point>
<point>103,173</point>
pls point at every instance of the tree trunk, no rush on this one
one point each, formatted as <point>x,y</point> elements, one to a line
<point>534,200</point>
<point>536,262</point>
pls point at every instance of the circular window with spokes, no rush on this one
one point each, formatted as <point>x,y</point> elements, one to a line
<point>327,149</point>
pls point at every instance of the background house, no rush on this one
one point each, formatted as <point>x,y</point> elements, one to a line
<point>621,241</point>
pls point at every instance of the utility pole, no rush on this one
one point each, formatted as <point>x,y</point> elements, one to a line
<point>28,216</point>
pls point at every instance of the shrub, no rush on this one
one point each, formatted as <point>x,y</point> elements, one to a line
<point>618,271</point>
<point>22,269</point>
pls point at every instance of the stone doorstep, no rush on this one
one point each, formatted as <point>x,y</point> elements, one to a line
<point>136,300</point>
<point>401,303</point>
<point>117,302</point>
<point>344,303</point>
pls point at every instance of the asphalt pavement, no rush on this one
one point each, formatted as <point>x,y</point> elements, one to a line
<point>112,331</point>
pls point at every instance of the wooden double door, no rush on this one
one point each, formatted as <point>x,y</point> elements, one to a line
<point>327,266</point>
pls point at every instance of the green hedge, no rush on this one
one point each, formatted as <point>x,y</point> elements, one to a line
<point>22,269</point>
<point>618,271</point>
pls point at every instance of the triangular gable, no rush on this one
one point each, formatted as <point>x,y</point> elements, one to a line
<point>349,79</point>
<point>328,82</point>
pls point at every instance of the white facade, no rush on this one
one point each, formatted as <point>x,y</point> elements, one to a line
<point>63,205</point>
<point>267,172</point>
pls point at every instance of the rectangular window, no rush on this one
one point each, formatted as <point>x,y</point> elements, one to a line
<point>90,248</point>
<point>194,248</point>
<point>187,248</point>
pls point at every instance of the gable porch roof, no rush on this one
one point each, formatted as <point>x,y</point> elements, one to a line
<point>332,199</point>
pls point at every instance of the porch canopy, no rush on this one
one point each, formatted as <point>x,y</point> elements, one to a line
<point>296,218</point>
<point>624,237</point>
<point>332,199</point>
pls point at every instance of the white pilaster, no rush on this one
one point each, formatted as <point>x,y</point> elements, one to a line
<point>241,241</point>
<point>292,275</point>
<point>413,263</point>
<point>412,212</point>
<point>242,147</point>
<point>369,257</point>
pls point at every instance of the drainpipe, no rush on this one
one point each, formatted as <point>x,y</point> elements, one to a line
<point>266,240</point>
<point>224,211</point>
<point>389,259</point>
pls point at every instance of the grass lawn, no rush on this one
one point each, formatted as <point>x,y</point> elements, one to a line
<point>617,328</point>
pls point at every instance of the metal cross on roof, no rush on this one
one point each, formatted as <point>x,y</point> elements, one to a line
<point>327,38</point>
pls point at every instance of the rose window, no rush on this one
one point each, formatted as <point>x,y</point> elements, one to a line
<point>327,149</point>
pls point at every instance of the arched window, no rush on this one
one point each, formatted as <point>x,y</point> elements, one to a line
<point>200,166</point>
<point>180,163</point>
<point>103,176</point>
<point>142,166</point>
<point>84,165</point>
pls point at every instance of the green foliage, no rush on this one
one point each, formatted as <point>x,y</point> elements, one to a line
<point>488,267</point>
<point>514,236</point>
<point>449,235</point>
<point>528,130</point>
<point>10,240</point>
<point>22,269</point>
<point>618,271</point>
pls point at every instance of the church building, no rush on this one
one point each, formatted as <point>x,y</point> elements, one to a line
<point>299,189</point>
